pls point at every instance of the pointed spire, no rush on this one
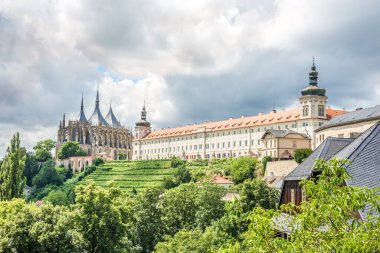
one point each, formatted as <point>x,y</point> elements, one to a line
<point>111,118</point>
<point>82,116</point>
<point>64,120</point>
<point>313,75</point>
<point>143,112</point>
<point>97,117</point>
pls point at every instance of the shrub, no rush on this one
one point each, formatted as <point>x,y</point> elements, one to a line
<point>97,161</point>
<point>301,154</point>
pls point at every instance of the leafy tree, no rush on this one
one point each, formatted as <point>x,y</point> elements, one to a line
<point>242,168</point>
<point>325,222</point>
<point>47,175</point>
<point>43,150</point>
<point>182,175</point>
<point>122,156</point>
<point>69,149</point>
<point>12,181</point>
<point>65,173</point>
<point>256,193</point>
<point>176,162</point>
<point>97,161</point>
<point>301,154</point>
<point>168,183</point>
<point>188,206</point>
<point>194,241</point>
<point>264,161</point>
<point>101,218</point>
<point>57,197</point>
<point>28,228</point>
<point>148,218</point>
<point>31,167</point>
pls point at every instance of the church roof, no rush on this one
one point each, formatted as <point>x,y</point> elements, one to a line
<point>111,119</point>
<point>243,122</point>
<point>97,117</point>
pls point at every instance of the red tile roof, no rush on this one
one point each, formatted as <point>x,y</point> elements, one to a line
<point>258,120</point>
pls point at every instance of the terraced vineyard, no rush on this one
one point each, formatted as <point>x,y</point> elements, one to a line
<point>132,174</point>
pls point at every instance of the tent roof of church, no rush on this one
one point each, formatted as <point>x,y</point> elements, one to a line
<point>111,119</point>
<point>258,120</point>
<point>97,117</point>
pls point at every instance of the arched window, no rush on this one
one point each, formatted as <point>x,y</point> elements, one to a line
<point>305,111</point>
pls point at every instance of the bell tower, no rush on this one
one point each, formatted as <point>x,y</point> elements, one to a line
<point>142,126</point>
<point>313,100</point>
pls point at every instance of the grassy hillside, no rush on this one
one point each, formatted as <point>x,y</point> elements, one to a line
<point>129,174</point>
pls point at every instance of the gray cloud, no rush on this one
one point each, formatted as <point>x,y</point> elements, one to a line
<point>192,61</point>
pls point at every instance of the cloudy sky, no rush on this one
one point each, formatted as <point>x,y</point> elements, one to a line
<point>190,60</point>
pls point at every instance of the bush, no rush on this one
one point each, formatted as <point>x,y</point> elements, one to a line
<point>242,168</point>
<point>301,154</point>
<point>182,175</point>
<point>97,161</point>
<point>264,161</point>
<point>169,183</point>
<point>175,162</point>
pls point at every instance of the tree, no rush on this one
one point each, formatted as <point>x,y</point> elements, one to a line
<point>57,197</point>
<point>182,175</point>
<point>301,154</point>
<point>31,167</point>
<point>242,168</point>
<point>325,222</point>
<point>264,161</point>
<point>97,161</point>
<point>121,156</point>
<point>43,150</point>
<point>148,218</point>
<point>69,149</point>
<point>188,206</point>
<point>28,228</point>
<point>47,175</point>
<point>256,193</point>
<point>101,218</point>
<point>12,181</point>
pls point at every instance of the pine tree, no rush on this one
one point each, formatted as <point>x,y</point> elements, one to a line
<point>12,181</point>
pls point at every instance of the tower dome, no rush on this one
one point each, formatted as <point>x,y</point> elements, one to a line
<point>313,88</point>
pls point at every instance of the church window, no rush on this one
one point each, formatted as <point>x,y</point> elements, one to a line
<point>321,110</point>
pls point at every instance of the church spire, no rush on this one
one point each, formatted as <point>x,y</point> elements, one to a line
<point>82,116</point>
<point>143,113</point>
<point>97,117</point>
<point>313,75</point>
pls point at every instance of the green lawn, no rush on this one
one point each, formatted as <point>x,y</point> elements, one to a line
<point>132,174</point>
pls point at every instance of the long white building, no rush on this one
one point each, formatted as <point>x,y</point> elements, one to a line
<point>233,137</point>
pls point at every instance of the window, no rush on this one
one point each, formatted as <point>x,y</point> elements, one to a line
<point>305,124</point>
<point>305,111</point>
<point>246,143</point>
<point>321,110</point>
<point>293,195</point>
<point>340,135</point>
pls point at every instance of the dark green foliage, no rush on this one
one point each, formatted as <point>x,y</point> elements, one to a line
<point>97,161</point>
<point>182,175</point>
<point>301,154</point>
<point>31,167</point>
<point>69,149</point>
<point>121,156</point>
<point>199,162</point>
<point>168,183</point>
<point>58,197</point>
<point>12,181</point>
<point>43,150</point>
<point>256,193</point>
<point>189,206</point>
<point>47,175</point>
<point>176,162</point>
<point>65,173</point>
<point>264,161</point>
<point>242,168</point>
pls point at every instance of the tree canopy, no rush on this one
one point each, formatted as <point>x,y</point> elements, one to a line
<point>12,181</point>
<point>43,150</point>
<point>69,149</point>
<point>301,154</point>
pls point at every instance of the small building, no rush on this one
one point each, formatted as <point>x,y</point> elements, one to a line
<point>276,171</point>
<point>281,144</point>
<point>364,167</point>
<point>222,181</point>
<point>349,125</point>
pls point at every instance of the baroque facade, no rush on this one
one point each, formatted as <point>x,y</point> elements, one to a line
<point>98,136</point>
<point>234,137</point>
